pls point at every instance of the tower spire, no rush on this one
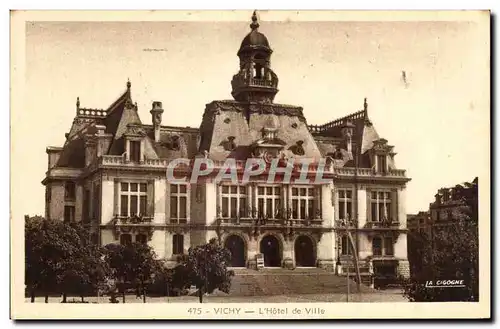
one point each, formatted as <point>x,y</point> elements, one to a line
<point>365,105</point>
<point>255,22</point>
<point>128,84</point>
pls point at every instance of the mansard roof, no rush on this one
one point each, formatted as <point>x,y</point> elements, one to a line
<point>244,122</point>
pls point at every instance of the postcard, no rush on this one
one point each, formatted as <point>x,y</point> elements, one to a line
<point>250,164</point>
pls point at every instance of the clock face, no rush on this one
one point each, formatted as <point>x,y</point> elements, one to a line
<point>268,156</point>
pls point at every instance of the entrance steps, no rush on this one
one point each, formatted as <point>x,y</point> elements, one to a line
<point>268,282</point>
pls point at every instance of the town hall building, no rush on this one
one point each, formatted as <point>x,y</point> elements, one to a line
<point>111,174</point>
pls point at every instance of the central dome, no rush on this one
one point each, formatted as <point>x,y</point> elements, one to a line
<point>254,40</point>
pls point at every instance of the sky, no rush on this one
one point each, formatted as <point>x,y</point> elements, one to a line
<point>438,119</point>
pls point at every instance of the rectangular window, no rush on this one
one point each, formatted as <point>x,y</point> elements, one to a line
<point>305,203</point>
<point>382,163</point>
<point>125,239</point>
<point>381,206</point>
<point>178,203</point>
<point>234,201</point>
<point>141,238</point>
<point>346,246</point>
<point>388,246</point>
<point>268,201</point>
<point>178,244</point>
<point>377,246</point>
<point>345,203</point>
<point>135,151</point>
<point>70,191</point>
<point>69,214</point>
<point>133,199</point>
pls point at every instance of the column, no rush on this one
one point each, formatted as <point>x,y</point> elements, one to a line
<point>127,150</point>
<point>78,202</point>
<point>361,202</point>
<point>401,200</point>
<point>326,205</point>
<point>219,199</point>
<point>188,202</point>
<point>250,199</point>
<point>325,251</point>
<point>142,151</point>
<point>288,254</point>
<point>107,200</point>
<point>160,186</point>
<point>252,250</point>
<point>157,242</point>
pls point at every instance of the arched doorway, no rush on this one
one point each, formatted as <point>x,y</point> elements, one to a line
<point>304,252</point>
<point>236,246</point>
<point>270,247</point>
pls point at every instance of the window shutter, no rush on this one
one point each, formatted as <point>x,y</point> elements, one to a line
<point>116,198</point>
<point>394,206</point>
<point>150,199</point>
<point>368,205</point>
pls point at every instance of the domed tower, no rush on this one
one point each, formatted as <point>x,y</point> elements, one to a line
<point>255,82</point>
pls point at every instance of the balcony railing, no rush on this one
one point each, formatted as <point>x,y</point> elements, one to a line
<point>132,220</point>
<point>368,172</point>
<point>270,222</point>
<point>382,224</point>
<point>241,81</point>
<point>120,160</point>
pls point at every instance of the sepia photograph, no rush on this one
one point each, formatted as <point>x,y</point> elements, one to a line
<point>250,164</point>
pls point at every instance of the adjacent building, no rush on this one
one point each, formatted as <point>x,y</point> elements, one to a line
<point>448,203</point>
<point>111,175</point>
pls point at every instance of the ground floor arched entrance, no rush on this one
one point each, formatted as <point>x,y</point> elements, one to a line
<point>236,246</point>
<point>305,255</point>
<point>270,248</point>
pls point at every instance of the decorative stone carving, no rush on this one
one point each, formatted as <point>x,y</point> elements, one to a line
<point>298,148</point>
<point>135,130</point>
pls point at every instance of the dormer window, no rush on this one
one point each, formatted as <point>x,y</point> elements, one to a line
<point>175,143</point>
<point>135,151</point>
<point>382,163</point>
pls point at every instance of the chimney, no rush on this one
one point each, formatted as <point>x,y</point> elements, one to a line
<point>103,140</point>
<point>347,132</point>
<point>156,113</point>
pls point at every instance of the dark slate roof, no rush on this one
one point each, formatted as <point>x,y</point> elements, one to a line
<point>187,139</point>
<point>244,122</point>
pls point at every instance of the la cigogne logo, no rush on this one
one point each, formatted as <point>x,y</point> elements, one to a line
<point>445,284</point>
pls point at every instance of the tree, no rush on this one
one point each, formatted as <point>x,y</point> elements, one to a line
<point>59,258</point>
<point>50,247</point>
<point>449,252</point>
<point>86,270</point>
<point>133,264</point>
<point>206,268</point>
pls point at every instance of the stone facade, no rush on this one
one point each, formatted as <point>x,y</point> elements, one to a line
<point>117,166</point>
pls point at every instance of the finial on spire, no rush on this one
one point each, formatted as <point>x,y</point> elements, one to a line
<point>78,102</point>
<point>128,84</point>
<point>255,23</point>
<point>365,105</point>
